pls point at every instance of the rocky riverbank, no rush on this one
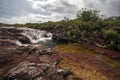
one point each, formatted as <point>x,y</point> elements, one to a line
<point>20,59</point>
<point>23,62</point>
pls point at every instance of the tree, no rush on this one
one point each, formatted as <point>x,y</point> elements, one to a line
<point>88,15</point>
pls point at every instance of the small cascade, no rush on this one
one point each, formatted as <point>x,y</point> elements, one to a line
<point>20,44</point>
<point>36,36</point>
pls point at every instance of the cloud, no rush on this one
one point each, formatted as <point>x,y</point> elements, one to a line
<point>62,7</point>
<point>13,8</point>
<point>29,18</point>
<point>107,7</point>
<point>24,11</point>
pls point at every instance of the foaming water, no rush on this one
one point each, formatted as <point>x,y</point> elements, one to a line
<point>36,36</point>
<point>20,44</point>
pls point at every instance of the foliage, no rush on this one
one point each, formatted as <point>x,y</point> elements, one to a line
<point>112,38</point>
<point>111,35</point>
<point>87,28</point>
<point>88,15</point>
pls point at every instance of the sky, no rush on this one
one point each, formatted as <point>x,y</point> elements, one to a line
<point>33,11</point>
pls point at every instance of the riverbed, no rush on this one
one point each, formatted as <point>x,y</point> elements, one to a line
<point>22,48</point>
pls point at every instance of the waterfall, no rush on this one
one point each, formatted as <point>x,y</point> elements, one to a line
<point>36,36</point>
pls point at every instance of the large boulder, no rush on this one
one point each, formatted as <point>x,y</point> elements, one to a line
<point>23,39</point>
<point>59,37</point>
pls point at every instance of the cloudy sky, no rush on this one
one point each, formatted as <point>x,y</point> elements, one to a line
<point>24,11</point>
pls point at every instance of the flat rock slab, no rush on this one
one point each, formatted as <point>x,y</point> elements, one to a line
<point>36,71</point>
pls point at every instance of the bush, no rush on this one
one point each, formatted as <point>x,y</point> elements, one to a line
<point>112,38</point>
<point>111,35</point>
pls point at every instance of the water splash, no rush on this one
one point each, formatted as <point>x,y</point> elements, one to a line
<point>36,36</point>
<point>20,44</point>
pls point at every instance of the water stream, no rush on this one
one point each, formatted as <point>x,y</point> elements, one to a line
<point>38,37</point>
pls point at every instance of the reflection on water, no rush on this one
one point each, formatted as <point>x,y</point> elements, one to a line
<point>38,37</point>
<point>49,43</point>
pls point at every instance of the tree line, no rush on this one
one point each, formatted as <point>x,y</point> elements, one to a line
<point>88,27</point>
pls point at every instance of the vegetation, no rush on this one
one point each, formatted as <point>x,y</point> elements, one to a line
<point>88,27</point>
<point>88,15</point>
<point>84,62</point>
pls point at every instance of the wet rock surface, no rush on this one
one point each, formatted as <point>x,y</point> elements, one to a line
<point>59,37</point>
<point>13,34</point>
<point>31,62</point>
<point>22,60</point>
<point>37,71</point>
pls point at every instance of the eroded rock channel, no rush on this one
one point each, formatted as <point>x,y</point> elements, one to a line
<point>28,54</point>
<point>22,59</point>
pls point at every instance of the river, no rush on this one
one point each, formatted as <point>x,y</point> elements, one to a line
<point>37,37</point>
<point>81,59</point>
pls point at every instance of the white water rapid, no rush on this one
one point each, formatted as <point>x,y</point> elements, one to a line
<point>36,36</point>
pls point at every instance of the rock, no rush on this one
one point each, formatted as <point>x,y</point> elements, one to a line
<point>20,76</point>
<point>13,54</point>
<point>58,37</point>
<point>21,50</point>
<point>32,64</point>
<point>4,58</point>
<point>13,34</point>
<point>63,72</point>
<point>49,51</point>
<point>6,43</point>
<point>90,43</point>
<point>24,39</point>
<point>60,71</point>
<point>35,71</point>
<point>98,45</point>
<point>45,51</point>
<point>41,52</point>
<point>32,50</point>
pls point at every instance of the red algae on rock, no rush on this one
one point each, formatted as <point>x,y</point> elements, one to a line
<point>87,64</point>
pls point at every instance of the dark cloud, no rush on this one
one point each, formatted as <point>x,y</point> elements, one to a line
<point>67,4</point>
<point>61,7</point>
